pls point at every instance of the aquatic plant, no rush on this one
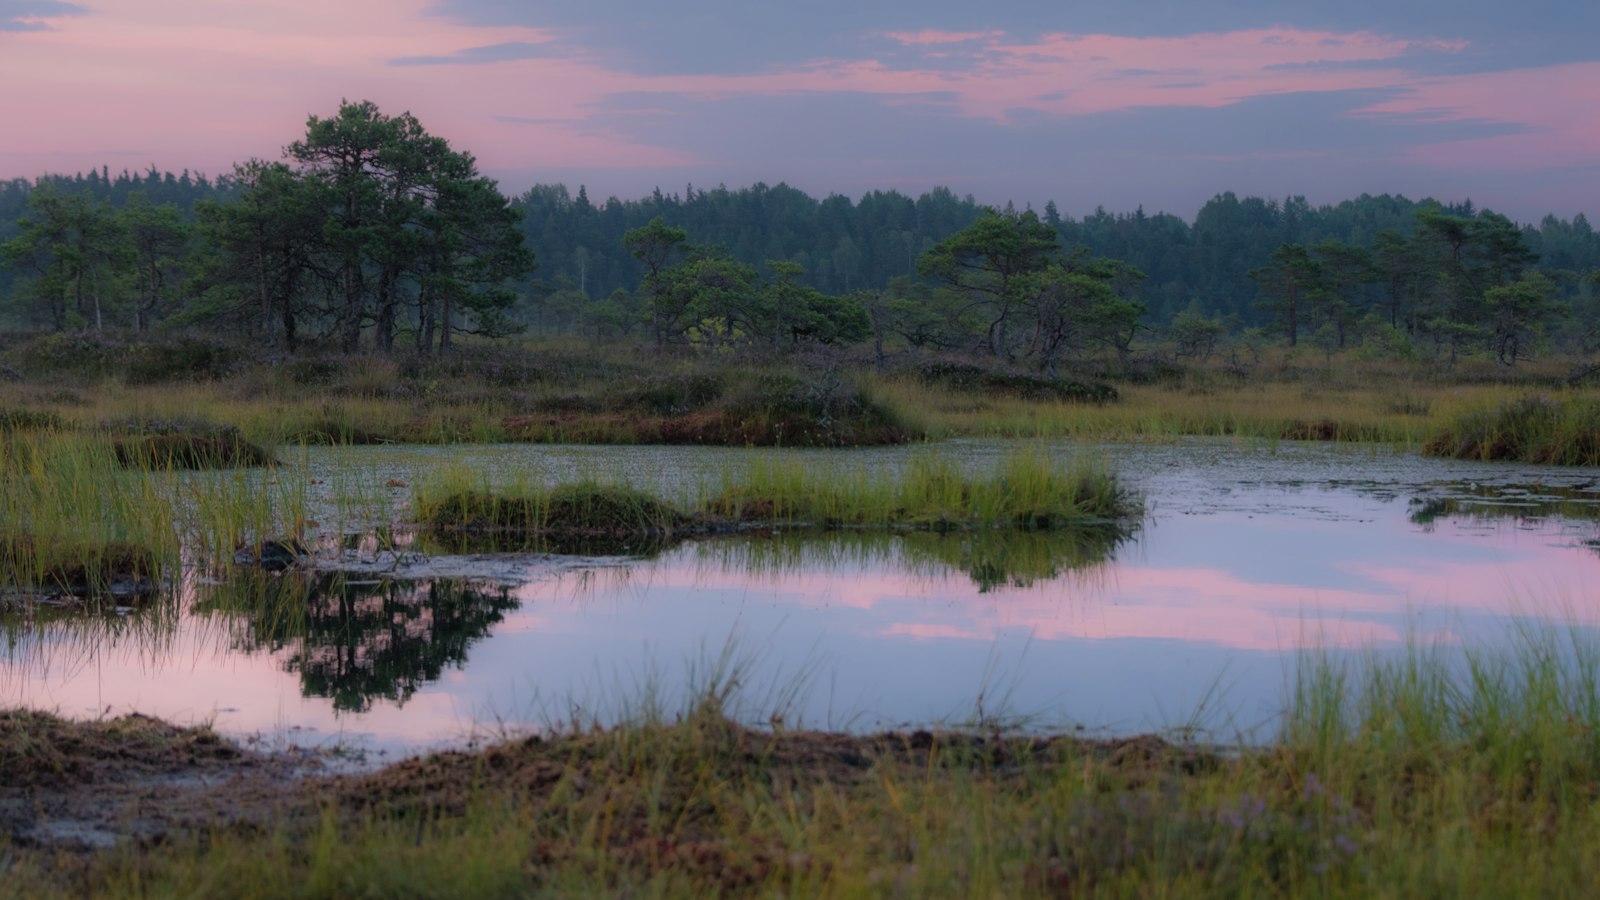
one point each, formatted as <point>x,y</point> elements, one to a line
<point>581,508</point>
<point>77,516</point>
<point>1027,491</point>
<point>1535,429</point>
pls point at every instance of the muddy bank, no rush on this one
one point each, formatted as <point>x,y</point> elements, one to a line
<point>82,786</point>
<point>70,787</point>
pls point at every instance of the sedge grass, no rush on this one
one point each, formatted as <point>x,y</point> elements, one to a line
<point>75,515</point>
<point>1429,774</point>
<point>1264,410</point>
<point>1535,429</point>
<point>625,399</point>
<point>1027,491</point>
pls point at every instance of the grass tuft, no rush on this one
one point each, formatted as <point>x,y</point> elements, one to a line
<point>1534,429</point>
<point>1027,492</point>
<point>1429,774</point>
<point>585,508</point>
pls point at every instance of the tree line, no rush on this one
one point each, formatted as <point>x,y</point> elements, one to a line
<point>370,231</point>
<point>367,227</point>
<point>1455,283</point>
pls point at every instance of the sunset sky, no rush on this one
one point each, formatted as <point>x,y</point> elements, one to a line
<point>1159,103</point>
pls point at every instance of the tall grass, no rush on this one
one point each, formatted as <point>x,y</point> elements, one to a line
<point>76,516</point>
<point>1536,429</point>
<point>1027,491</point>
<point>1262,408</point>
<point>1432,774</point>
<point>71,519</point>
<point>605,395</point>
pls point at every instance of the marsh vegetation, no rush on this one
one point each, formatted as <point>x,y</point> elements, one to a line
<point>1432,774</point>
<point>889,405</point>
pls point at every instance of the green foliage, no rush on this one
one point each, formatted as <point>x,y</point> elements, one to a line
<point>1195,336</point>
<point>1517,313</point>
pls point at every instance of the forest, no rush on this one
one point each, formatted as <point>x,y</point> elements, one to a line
<point>371,231</point>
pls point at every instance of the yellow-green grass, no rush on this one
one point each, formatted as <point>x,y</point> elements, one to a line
<point>1401,413</point>
<point>1424,776</point>
<point>76,515</point>
<point>1027,491</point>
<point>599,395</point>
<point>1536,429</point>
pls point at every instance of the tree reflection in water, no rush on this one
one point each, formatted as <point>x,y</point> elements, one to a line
<point>358,642</point>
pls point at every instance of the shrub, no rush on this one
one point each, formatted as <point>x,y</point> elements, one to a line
<point>179,359</point>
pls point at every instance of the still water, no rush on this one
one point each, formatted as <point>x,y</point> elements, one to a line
<point>1248,556</point>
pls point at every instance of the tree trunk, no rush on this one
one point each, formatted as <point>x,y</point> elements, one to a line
<point>424,321</point>
<point>385,327</point>
<point>1294,318</point>
<point>351,341</point>
<point>444,324</point>
<point>290,337</point>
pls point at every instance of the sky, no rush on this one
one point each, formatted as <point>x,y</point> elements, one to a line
<point>1152,103</point>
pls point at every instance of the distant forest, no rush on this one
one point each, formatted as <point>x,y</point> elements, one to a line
<point>843,245</point>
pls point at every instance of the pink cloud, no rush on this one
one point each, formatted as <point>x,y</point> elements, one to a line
<point>168,83</point>
<point>1072,74</point>
<point>1552,108</point>
<point>932,37</point>
<point>177,84</point>
<point>1128,600</point>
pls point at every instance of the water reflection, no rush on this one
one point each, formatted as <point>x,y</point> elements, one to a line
<point>991,560</point>
<point>1519,503</point>
<point>356,642</point>
<point>1244,563</point>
